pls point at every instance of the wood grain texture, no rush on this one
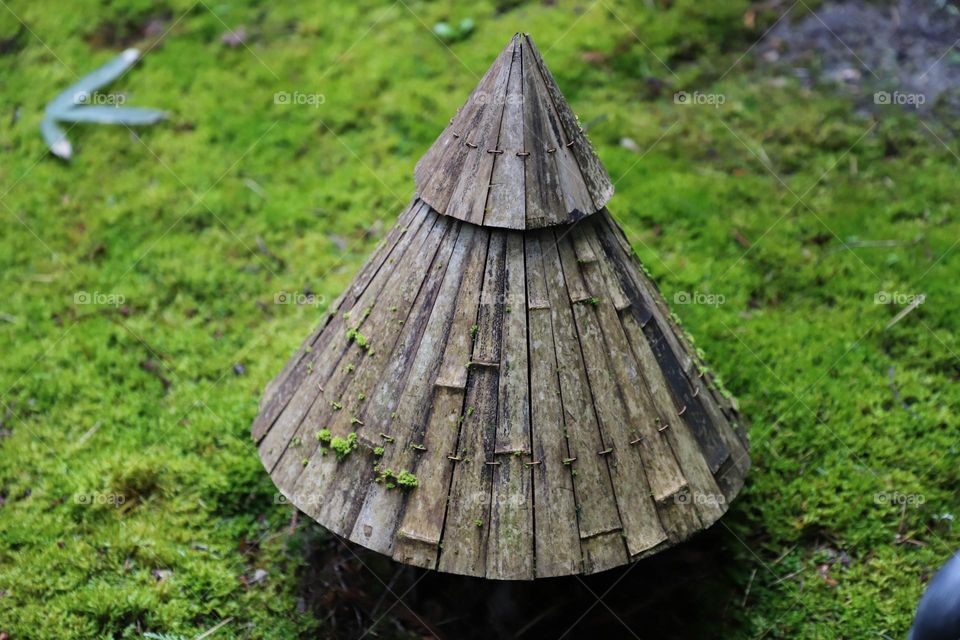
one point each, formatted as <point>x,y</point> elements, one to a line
<point>502,391</point>
<point>514,155</point>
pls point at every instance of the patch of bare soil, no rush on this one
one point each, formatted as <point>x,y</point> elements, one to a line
<point>905,52</point>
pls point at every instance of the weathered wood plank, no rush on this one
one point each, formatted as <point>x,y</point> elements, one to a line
<point>380,513</point>
<point>431,162</point>
<point>459,348</point>
<point>646,304</point>
<point>544,196</point>
<point>559,157</point>
<point>382,387</point>
<point>467,525</point>
<point>486,346</point>
<point>469,198</point>
<point>597,510</point>
<point>576,287</point>
<point>594,174</point>
<point>682,442</point>
<point>556,532</point>
<point>510,548</point>
<point>437,186</point>
<point>643,421</point>
<point>506,202</point>
<point>418,535</point>
<point>603,551</point>
<point>513,430</point>
<point>631,484</point>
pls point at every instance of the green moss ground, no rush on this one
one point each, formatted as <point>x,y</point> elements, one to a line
<point>205,219</point>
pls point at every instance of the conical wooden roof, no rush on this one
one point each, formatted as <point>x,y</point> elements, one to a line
<point>514,155</point>
<point>506,403</point>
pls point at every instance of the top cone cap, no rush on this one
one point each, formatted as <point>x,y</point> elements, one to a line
<point>514,156</point>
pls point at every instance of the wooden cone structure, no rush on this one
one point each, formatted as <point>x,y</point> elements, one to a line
<point>502,391</point>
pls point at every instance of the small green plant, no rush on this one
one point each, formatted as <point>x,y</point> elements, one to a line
<point>393,479</point>
<point>378,451</point>
<point>353,335</point>
<point>479,523</point>
<point>342,447</point>
<point>336,405</point>
<point>406,480</point>
<point>324,435</point>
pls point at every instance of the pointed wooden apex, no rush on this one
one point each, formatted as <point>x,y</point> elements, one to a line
<point>514,156</point>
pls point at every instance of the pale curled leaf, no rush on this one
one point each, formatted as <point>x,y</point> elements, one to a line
<point>56,139</point>
<point>112,115</point>
<point>81,90</point>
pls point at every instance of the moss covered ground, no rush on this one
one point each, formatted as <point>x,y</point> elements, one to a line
<point>150,288</point>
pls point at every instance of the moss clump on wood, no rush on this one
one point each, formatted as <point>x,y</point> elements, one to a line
<point>354,335</point>
<point>342,447</point>
<point>397,479</point>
